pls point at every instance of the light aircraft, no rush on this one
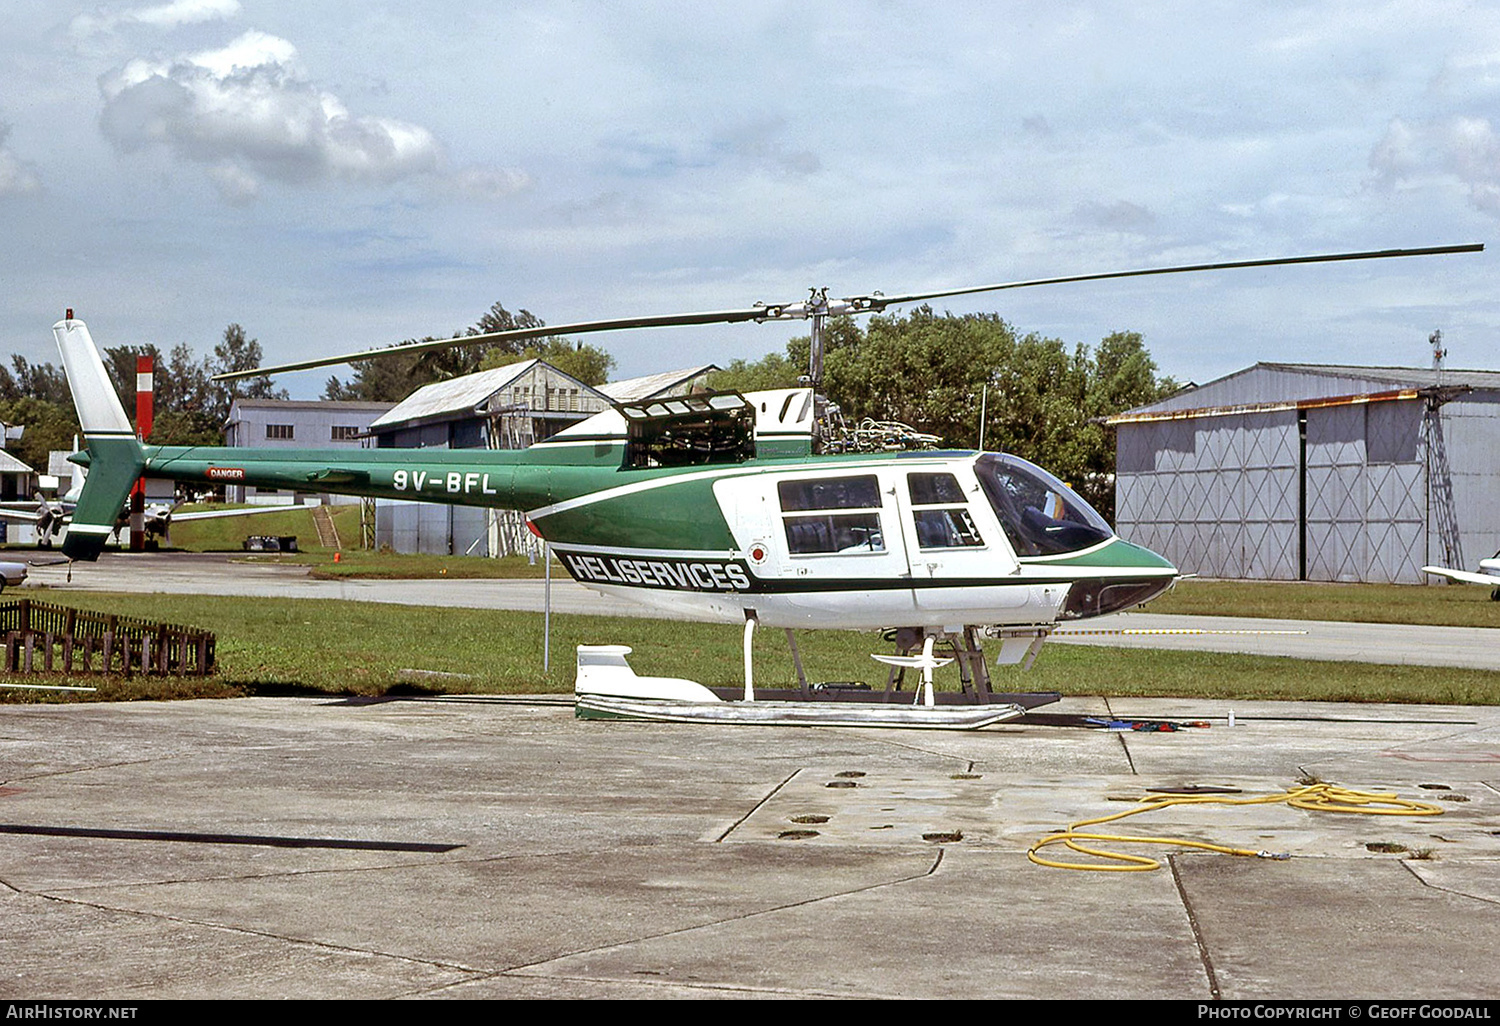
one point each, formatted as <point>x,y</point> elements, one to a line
<point>50,517</point>
<point>724,506</point>
<point>1488,575</point>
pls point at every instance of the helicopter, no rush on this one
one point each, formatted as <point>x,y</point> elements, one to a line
<point>738,508</point>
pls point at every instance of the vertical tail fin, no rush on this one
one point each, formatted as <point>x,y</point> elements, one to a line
<point>115,456</point>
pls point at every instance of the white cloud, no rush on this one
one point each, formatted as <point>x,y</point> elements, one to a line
<point>168,15</point>
<point>186,12</point>
<point>249,113</point>
<point>483,183</point>
<point>17,176</point>
<point>236,186</point>
<point>1457,148</point>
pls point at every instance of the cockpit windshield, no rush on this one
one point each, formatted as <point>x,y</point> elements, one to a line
<point>1041,515</point>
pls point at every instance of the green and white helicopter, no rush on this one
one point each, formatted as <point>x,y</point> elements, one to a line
<point>726,507</point>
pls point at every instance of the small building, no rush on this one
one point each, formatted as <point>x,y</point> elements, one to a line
<point>508,407</point>
<point>296,424</point>
<point>18,483</point>
<point>17,480</point>
<point>61,471</point>
<point>1317,473</point>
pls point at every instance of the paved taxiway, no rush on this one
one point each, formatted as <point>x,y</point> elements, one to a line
<point>147,854</point>
<point>185,573</point>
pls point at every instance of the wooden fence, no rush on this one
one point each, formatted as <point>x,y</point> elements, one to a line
<point>42,638</point>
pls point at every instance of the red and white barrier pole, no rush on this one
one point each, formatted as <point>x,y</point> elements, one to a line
<point>144,410</point>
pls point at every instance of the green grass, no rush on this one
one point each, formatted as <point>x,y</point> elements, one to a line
<point>229,533</point>
<point>1454,605</point>
<point>332,647</point>
<point>390,565</point>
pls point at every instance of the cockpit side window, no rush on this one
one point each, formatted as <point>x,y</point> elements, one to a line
<point>1040,515</point>
<point>823,526</point>
<point>940,512</point>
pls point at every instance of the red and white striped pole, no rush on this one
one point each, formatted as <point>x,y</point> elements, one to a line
<point>144,410</point>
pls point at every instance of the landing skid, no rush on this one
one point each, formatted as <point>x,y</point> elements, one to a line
<point>607,688</point>
<point>796,714</point>
<point>1027,700</point>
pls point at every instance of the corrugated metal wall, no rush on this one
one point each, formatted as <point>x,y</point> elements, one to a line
<point>1221,496</point>
<point>443,530</point>
<point>1366,493</point>
<point>1471,429</point>
<point>1216,495</point>
<point>431,528</point>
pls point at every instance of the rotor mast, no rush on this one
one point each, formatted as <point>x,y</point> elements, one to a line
<point>816,309</point>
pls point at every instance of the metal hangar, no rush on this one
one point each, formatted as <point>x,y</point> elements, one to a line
<point>1315,472</point>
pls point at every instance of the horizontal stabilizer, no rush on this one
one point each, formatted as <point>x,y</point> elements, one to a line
<point>216,514</point>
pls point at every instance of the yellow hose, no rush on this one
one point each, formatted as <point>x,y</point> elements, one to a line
<point>1313,797</point>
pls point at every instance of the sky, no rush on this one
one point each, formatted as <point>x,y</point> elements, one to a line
<point>350,173</point>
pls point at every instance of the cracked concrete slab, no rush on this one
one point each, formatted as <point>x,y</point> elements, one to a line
<point>597,859</point>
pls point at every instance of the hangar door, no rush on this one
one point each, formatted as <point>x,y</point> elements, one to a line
<point>1366,493</point>
<point>1216,495</point>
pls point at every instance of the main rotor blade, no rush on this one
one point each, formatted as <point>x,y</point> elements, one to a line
<point>818,304</point>
<point>1322,258</point>
<point>515,335</point>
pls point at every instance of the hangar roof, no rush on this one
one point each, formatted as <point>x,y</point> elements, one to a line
<point>653,385</point>
<point>309,404</point>
<point>1290,382</point>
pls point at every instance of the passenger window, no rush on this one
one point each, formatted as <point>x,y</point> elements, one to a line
<point>861,492</point>
<point>834,532</point>
<point>949,527</point>
<point>817,529</point>
<point>932,489</point>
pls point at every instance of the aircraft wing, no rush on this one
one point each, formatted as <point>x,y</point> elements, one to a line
<point>1464,576</point>
<point>20,516</point>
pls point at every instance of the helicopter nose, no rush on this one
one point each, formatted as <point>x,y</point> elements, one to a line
<point>1140,556</point>
<point>1146,576</point>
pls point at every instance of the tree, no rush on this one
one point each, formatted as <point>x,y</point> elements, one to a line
<point>393,378</point>
<point>497,319</point>
<point>43,381</point>
<point>49,426</point>
<point>771,371</point>
<point>185,402</point>
<point>120,362</point>
<point>587,363</point>
<point>237,353</point>
<point>384,379</point>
